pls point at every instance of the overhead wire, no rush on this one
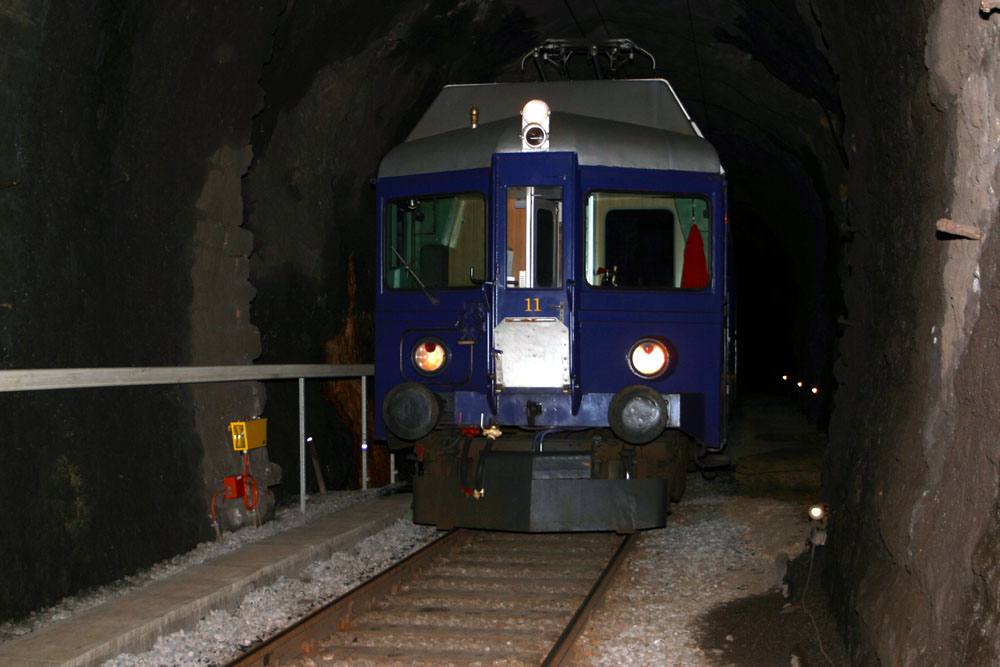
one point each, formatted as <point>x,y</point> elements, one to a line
<point>601,16</point>
<point>697,64</point>
<point>575,20</point>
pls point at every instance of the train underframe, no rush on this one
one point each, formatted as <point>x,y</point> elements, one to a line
<point>516,479</point>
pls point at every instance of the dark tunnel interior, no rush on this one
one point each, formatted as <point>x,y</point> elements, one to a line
<point>190,184</point>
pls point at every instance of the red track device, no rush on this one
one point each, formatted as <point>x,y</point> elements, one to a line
<point>235,486</point>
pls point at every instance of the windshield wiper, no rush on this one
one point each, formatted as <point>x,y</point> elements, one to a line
<point>413,273</point>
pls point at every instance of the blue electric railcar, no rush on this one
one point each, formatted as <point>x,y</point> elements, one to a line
<point>551,310</point>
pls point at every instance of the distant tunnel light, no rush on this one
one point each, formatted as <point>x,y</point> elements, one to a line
<point>799,384</point>
<point>816,512</point>
<point>815,390</point>
<point>785,378</point>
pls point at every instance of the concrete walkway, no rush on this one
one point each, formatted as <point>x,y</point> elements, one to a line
<point>134,622</point>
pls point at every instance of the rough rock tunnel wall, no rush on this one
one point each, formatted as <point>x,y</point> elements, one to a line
<point>912,467</point>
<point>124,136</point>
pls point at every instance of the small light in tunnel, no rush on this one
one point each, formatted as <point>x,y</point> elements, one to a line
<point>364,446</point>
<point>817,527</point>
<point>815,390</point>
<point>798,384</point>
<point>309,439</point>
<point>785,378</point>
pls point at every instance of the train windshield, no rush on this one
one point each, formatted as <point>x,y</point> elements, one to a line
<point>433,241</point>
<point>648,241</point>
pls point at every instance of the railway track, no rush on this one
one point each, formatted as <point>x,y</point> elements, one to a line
<point>470,597</point>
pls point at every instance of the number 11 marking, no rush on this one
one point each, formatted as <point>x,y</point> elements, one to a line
<point>529,309</point>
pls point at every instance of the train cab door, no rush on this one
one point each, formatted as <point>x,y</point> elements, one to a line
<point>532,335</point>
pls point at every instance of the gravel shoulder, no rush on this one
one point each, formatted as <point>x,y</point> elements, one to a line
<point>706,589</point>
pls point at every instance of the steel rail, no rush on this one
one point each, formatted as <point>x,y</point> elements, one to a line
<point>302,636</point>
<point>561,650</point>
<point>306,637</point>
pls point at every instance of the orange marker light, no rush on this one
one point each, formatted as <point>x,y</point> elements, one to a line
<point>429,357</point>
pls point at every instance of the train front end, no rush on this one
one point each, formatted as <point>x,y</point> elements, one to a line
<point>551,314</point>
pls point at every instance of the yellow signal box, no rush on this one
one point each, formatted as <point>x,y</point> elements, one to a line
<point>249,434</point>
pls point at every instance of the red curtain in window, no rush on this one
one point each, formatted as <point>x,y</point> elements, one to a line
<point>695,274</point>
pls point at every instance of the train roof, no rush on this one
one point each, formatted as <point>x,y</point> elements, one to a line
<point>614,123</point>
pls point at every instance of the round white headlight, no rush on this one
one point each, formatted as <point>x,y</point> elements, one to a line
<point>535,126</point>
<point>535,112</point>
<point>648,357</point>
<point>430,356</point>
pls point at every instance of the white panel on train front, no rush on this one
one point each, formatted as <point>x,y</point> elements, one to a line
<point>532,352</point>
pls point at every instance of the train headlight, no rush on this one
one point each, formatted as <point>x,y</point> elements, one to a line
<point>648,357</point>
<point>535,126</point>
<point>430,356</point>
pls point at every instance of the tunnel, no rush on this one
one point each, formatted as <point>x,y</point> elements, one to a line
<point>190,184</point>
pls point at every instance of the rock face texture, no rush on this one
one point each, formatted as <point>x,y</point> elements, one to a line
<point>185,184</point>
<point>124,138</point>
<point>912,467</point>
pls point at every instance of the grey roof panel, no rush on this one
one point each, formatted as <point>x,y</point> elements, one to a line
<point>646,102</point>
<point>597,142</point>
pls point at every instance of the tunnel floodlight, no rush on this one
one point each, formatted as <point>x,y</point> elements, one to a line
<point>785,378</point>
<point>816,512</point>
<point>799,384</point>
<point>815,390</point>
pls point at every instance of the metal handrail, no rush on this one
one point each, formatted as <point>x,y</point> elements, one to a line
<point>132,376</point>
<point>82,378</point>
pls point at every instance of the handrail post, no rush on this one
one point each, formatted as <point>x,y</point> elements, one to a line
<point>364,431</point>
<point>302,444</point>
